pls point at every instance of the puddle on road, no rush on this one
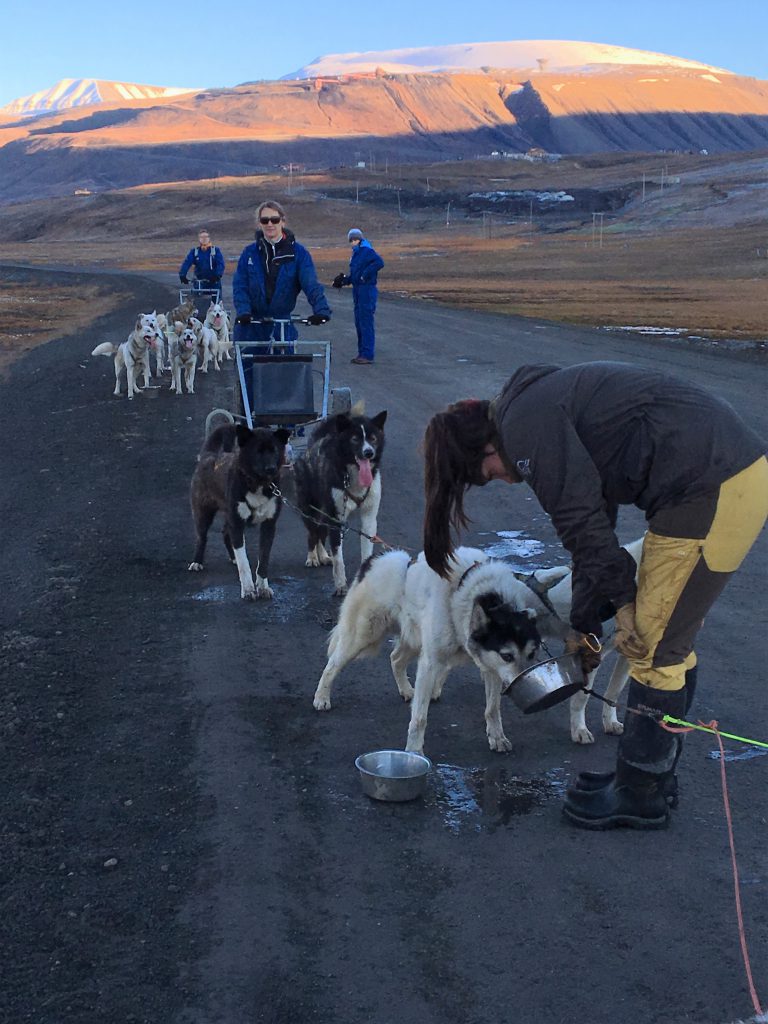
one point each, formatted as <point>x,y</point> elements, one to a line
<point>740,755</point>
<point>483,799</point>
<point>514,547</point>
<point>289,600</point>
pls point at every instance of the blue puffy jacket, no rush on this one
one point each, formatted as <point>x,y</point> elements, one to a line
<point>291,271</point>
<point>209,263</point>
<point>364,265</point>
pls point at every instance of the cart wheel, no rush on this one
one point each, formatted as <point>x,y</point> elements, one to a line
<point>214,414</point>
<point>341,401</point>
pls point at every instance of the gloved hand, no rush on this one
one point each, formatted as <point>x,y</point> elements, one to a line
<point>183,279</point>
<point>582,646</point>
<point>243,319</point>
<point>338,281</point>
<point>318,318</point>
<point>627,639</point>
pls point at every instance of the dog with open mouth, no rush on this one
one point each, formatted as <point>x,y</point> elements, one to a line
<point>183,348</point>
<point>133,353</point>
<point>336,476</point>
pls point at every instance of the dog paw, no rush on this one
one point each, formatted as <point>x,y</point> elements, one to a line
<point>248,595</point>
<point>195,567</point>
<point>500,744</point>
<point>340,591</point>
<point>407,695</point>
<point>312,561</point>
<point>264,593</point>
<point>582,735</point>
<point>322,703</point>
<point>613,727</point>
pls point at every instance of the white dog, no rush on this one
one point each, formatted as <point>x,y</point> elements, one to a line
<point>481,614</point>
<point>485,613</point>
<point>183,347</point>
<point>216,320</point>
<point>133,353</point>
<point>557,584</point>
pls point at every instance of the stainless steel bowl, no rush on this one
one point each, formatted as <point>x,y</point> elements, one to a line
<point>547,683</point>
<point>395,775</point>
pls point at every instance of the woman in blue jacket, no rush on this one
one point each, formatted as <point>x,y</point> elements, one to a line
<point>270,274</point>
<point>364,267</point>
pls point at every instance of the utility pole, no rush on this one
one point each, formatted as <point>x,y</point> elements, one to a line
<point>448,216</point>
<point>643,199</point>
<point>427,184</point>
<point>357,192</point>
<point>399,208</point>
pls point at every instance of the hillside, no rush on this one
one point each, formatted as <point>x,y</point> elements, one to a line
<point>397,118</point>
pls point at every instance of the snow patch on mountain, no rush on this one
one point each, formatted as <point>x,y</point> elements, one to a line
<point>544,55</point>
<point>81,92</point>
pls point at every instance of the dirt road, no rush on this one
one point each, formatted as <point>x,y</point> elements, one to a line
<point>184,840</point>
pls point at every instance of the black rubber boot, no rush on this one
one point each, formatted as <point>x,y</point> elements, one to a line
<point>589,781</point>
<point>637,795</point>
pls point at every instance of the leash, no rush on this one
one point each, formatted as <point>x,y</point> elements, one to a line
<point>329,520</point>
<point>680,726</point>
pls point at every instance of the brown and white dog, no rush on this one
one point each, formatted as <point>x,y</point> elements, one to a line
<point>133,353</point>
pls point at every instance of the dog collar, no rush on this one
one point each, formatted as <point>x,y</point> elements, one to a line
<point>467,572</point>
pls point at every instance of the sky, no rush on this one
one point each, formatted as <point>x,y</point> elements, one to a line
<point>222,44</point>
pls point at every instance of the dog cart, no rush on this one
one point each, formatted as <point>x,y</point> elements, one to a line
<point>283,382</point>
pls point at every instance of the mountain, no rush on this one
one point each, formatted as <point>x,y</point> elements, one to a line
<point>552,55</point>
<point>580,98</point>
<point>81,92</point>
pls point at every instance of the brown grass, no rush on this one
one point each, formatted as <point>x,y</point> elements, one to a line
<point>31,314</point>
<point>692,257</point>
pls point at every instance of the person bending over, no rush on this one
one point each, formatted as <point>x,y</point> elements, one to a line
<point>586,439</point>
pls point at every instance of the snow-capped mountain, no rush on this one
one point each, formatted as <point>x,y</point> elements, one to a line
<point>550,55</point>
<point>83,92</point>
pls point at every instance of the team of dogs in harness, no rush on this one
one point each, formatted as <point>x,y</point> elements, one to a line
<point>484,613</point>
<point>178,340</point>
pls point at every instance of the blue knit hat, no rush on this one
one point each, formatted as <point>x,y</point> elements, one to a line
<point>355,233</point>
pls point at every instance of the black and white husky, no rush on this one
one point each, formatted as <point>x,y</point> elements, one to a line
<point>237,473</point>
<point>336,476</point>
<point>482,614</point>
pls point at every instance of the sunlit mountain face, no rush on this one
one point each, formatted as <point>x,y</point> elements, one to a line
<point>81,92</point>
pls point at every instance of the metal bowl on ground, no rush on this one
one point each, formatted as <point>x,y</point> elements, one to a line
<point>547,683</point>
<point>395,775</point>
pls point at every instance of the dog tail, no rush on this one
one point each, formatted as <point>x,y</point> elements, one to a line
<point>222,439</point>
<point>371,610</point>
<point>106,348</point>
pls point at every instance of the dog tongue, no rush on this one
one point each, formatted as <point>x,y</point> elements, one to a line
<point>364,474</point>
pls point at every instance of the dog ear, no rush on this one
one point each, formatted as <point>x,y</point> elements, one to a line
<point>243,434</point>
<point>379,420</point>
<point>358,409</point>
<point>281,435</point>
<point>478,620</point>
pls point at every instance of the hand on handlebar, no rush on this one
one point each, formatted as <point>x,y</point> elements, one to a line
<point>318,318</point>
<point>243,319</point>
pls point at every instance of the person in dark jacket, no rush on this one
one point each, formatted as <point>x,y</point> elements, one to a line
<point>364,267</point>
<point>586,439</point>
<point>208,263</point>
<point>270,274</point>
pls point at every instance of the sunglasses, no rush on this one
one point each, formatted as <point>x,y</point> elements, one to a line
<point>270,220</point>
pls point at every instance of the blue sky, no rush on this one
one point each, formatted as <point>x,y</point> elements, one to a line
<point>224,43</point>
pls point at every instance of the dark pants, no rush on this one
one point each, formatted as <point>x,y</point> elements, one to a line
<point>364,296</point>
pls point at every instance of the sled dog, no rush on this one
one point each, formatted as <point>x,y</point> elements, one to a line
<point>482,614</point>
<point>237,474</point>
<point>133,353</point>
<point>336,476</point>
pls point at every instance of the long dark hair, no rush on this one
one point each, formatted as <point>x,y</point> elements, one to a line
<point>455,443</point>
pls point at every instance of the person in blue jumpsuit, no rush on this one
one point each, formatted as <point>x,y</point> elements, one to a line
<point>270,274</point>
<point>364,267</point>
<point>208,261</point>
